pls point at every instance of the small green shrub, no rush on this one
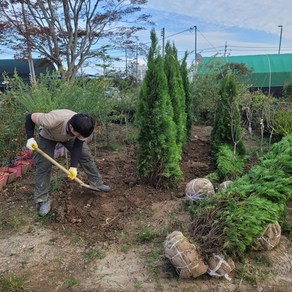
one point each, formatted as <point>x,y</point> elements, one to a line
<point>229,165</point>
<point>12,134</point>
<point>283,122</point>
<point>213,177</point>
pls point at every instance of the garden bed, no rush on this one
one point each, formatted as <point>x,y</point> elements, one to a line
<point>114,241</point>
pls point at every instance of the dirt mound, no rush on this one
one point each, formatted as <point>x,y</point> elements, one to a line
<point>102,215</point>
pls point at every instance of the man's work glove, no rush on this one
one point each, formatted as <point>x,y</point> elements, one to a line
<point>32,144</point>
<point>73,173</point>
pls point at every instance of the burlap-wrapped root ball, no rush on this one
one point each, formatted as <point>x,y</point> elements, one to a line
<point>269,238</point>
<point>218,267</point>
<point>184,256</point>
<point>198,188</point>
<point>224,185</point>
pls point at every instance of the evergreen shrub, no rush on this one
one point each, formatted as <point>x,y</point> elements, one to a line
<point>239,214</point>
<point>176,93</point>
<point>188,99</point>
<point>229,165</point>
<point>158,155</point>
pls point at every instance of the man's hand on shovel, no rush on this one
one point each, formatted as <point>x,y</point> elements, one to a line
<point>73,173</point>
<point>32,144</point>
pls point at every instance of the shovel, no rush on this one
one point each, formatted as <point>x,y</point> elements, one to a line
<point>65,170</point>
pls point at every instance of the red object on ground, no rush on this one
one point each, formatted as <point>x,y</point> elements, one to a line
<point>12,174</point>
<point>3,179</point>
<point>24,165</point>
<point>26,154</point>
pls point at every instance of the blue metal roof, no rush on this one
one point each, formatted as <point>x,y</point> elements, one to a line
<point>9,66</point>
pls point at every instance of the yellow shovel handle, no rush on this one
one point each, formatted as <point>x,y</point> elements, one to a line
<point>53,161</point>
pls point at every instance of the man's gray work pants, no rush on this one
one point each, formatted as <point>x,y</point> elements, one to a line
<point>43,167</point>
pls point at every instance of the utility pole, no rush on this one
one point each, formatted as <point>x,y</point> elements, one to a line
<point>163,40</point>
<point>126,55</point>
<point>136,65</point>
<point>281,27</point>
<point>196,44</point>
<point>225,49</point>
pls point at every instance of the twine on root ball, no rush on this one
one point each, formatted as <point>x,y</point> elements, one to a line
<point>224,185</point>
<point>269,238</point>
<point>218,267</point>
<point>184,256</point>
<point>198,189</point>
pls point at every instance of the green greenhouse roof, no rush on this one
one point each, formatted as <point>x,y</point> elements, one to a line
<point>270,70</point>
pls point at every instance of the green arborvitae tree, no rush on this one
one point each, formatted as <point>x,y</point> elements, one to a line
<point>158,155</point>
<point>227,126</point>
<point>188,100</point>
<point>176,92</point>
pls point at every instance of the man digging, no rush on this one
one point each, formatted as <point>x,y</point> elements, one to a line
<point>71,130</point>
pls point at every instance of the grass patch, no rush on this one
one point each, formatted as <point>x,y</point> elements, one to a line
<point>138,287</point>
<point>12,283</point>
<point>253,273</point>
<point>69,282</point>
<point>93,254</point>
<point>140,214</point>
<point>146,235</point>
<point>77,239</point>
<point>125,248</point>
<point>15,220</point>
<point>45,220</point>
<point>175,222</point>
<point>260,259</point>
<point>153,259</point>
<point>56,183</point>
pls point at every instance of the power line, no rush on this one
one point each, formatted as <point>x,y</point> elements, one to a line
<point>189,29</point>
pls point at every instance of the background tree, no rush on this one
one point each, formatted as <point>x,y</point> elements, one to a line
<point>188,100</point>
<point>287,91</point>
<point>176,92</point>
<point>206,84</point>
<point>204,89</point>
<point>227,125</point>
<point>238,69</point>
<point>158,155</point>
<point>68,32</point>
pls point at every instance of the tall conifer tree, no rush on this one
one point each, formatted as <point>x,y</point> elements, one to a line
<point>158,155</point>
<point>176,92</point>
<point>188,100</point>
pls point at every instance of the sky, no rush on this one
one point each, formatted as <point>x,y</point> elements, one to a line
<point>231,27</point>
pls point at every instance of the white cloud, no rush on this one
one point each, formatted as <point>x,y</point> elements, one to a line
<point>258,15</point>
